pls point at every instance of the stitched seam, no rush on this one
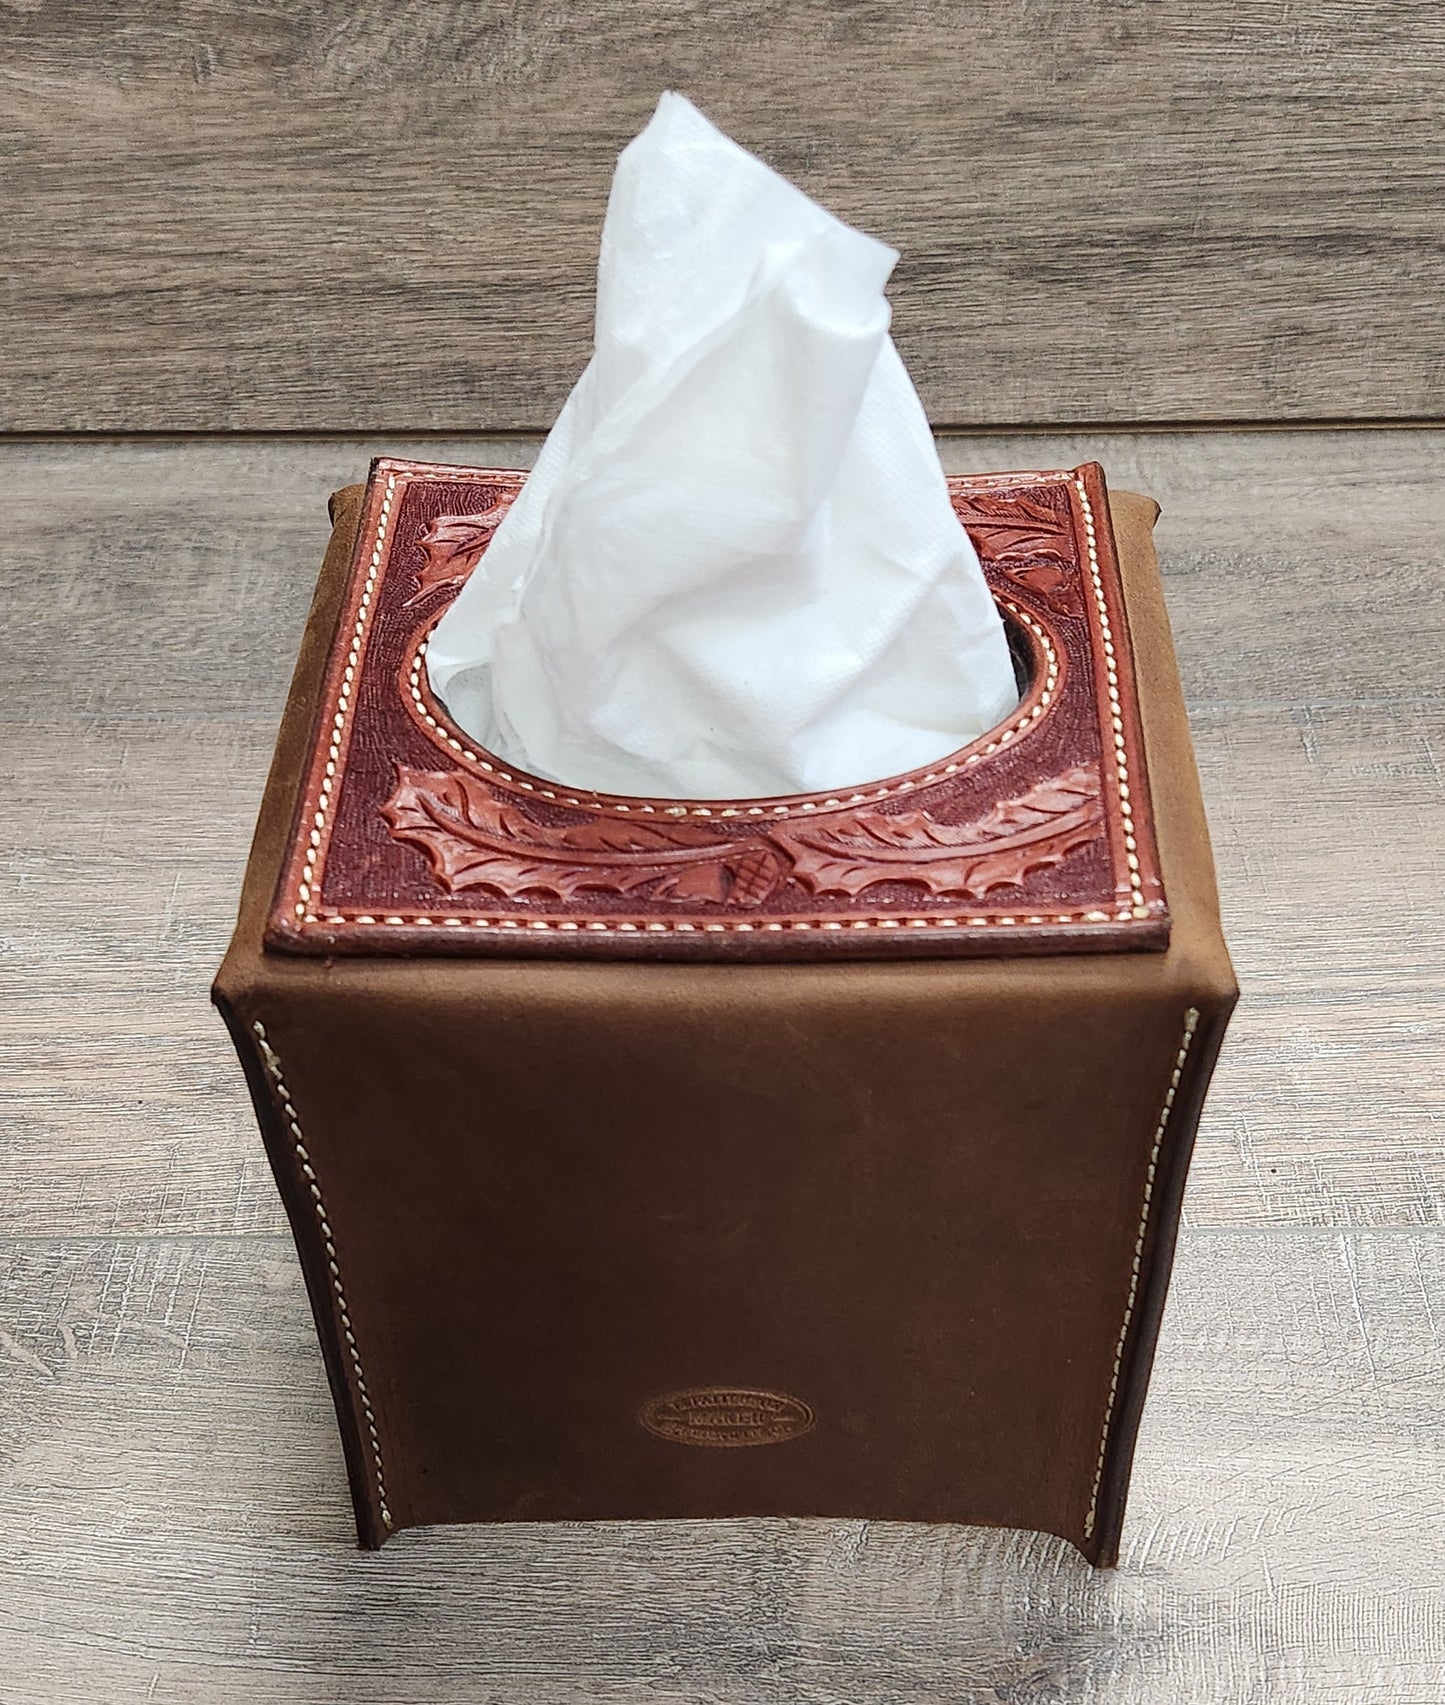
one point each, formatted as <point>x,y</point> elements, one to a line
<point>1116,710</point>
<point>655,926</point>
<point>342,713</point>
<point>1191,1024</point>
<point>298,1141</point>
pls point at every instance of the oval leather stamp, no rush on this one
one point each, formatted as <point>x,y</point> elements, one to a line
<point>726,1416</point>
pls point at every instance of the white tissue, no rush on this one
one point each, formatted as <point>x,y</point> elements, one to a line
<point>734,570</point>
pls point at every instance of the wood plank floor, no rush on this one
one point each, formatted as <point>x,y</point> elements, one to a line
<point>171,1491</point>
<point>218,214</point>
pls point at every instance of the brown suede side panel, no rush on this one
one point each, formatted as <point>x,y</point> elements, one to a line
<point>908,1195</point>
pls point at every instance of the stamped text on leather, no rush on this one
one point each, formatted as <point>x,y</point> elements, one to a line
<point>1035,838</point>
<point>723,1417</point>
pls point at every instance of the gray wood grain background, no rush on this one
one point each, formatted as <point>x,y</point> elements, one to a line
<point>383,214</point>
<point>172,1498</point>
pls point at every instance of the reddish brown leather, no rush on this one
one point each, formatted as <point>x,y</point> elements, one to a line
<point>895,1235</point>
<point>1036,838</point>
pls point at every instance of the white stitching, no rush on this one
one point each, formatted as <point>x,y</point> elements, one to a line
<point>1116,714</point>
<point>1191,1024</point>
<point>665,925</point>
<point>343,710</point>
<point>293,1125</point>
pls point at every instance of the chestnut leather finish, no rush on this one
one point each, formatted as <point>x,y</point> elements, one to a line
<point>626,1238</point>
<point>1035,838</point>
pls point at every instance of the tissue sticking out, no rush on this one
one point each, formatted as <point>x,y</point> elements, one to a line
<point>734,570</point>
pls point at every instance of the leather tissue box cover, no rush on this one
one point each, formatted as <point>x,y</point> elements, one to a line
<point>806,1157</point>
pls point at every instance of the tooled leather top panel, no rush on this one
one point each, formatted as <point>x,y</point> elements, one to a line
<point>1037,838</point>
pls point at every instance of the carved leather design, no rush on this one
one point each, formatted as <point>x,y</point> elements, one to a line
<point>475,841</point>
<point>1035,838</point>
<point>452,546</point>
<point>850,853</point>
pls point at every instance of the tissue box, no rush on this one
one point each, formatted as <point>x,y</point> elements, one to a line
<point>805,1157</point>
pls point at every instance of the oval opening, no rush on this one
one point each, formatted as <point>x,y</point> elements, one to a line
<point>1025,653</point>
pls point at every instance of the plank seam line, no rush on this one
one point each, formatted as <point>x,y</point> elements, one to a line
<point>293,1123</point>
<point>1191,1024</point>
